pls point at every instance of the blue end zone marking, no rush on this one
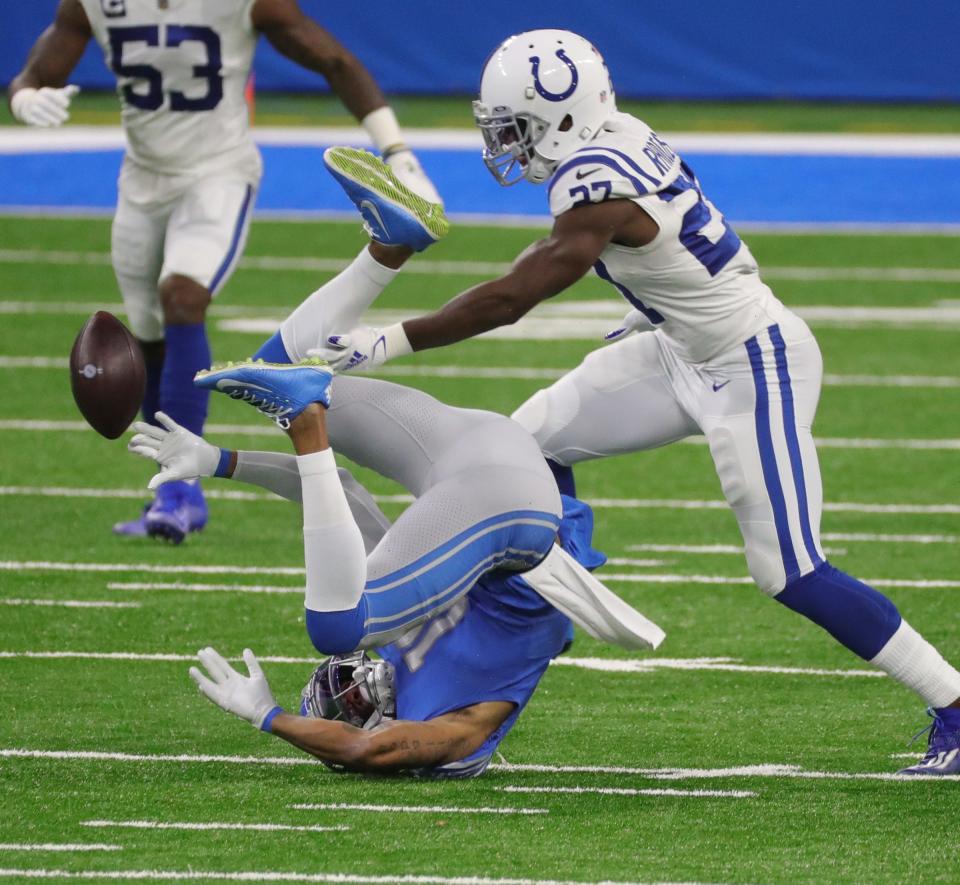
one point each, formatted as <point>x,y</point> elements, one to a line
<point>793,443</point>
<point>768,461</point>
<point>745,187</point>
<point>235,241</point>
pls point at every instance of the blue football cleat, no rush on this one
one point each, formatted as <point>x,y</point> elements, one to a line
<point>135,528</point>
<point>392,213</point>
<point>943,745</point>
<point>178,509</point>
<point>280,390</point>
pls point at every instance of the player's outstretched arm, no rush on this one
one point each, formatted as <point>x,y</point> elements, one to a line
<point>38,96</point>
<point>299,38</point>
<point>395,745</point>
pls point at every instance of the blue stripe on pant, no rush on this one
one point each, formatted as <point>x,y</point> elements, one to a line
<point>432,582</point>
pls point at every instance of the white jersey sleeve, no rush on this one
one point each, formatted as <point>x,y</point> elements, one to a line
<point>696,281</point>
<point>182,68</point>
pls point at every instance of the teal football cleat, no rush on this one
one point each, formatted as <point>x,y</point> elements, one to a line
<point>392,213</point>
<point>280,390</point>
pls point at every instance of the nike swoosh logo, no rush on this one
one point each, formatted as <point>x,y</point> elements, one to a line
<point>717,387</point>
<point>228,384</point>
<point>371,207</point>
<point>581,173</point>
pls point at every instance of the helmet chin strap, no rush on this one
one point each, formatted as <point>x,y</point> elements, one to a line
<point>539,170</point>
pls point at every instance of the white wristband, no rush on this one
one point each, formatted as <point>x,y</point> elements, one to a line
<point>19,99</point>
<point>383,129</point>
<point>395,342</point>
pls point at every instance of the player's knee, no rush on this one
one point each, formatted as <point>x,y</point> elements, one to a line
<point>334,633</point>
<point>183,300</point>
<point>547,413</point>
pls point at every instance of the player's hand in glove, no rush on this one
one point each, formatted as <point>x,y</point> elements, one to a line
<point>248,697</point>
<point>180,453</point>
<point>634,321</point>
<point>407,168</point>
<point>363,348</point>
<point>46,107</point>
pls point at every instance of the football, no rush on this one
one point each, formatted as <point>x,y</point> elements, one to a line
<point>107,374</point>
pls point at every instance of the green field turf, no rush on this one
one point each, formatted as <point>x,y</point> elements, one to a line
<point>791,829</point>
<point>320,109</point>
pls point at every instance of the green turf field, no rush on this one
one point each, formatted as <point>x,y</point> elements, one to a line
<point>892,380</point>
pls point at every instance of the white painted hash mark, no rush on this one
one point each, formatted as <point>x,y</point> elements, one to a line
<point>101,756</point>
<point>70,603</point>
<point>203,588</point>
<point>634,791</point>
<point>413,809</point>
<point>277,876</point>
<point>53,846</point>
<point>213,825</point>
<point>643,578</point>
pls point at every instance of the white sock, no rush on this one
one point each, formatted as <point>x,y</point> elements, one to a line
<point>333,550</point>
<point>916,664</point>
<point>335,307</point>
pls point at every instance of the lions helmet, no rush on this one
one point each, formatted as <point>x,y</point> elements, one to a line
<point>543,94</point>
<point>352,688</point>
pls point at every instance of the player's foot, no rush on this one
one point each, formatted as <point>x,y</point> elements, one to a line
<point>392,213</point>
<point>943,745</point>
<point>178,509</point>
<point>280,390</point>
<point>136,528</point>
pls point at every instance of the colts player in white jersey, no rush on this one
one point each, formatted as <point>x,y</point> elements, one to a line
<point>718,354</point>
<point>191,171</point>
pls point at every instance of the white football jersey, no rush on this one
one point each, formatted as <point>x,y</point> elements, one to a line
<point>696,281</point>
<point>181,68</point>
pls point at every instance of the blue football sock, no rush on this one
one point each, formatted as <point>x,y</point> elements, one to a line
<point>187,351</point>
<point>273,351</point>
<point>854,614</point>
<point>564,478</point>
<point>153,360</point>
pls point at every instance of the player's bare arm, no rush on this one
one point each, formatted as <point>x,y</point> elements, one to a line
<point>395,745</point>
<point>38,95</point>
<point>299,38</point>
<point>543,270</point>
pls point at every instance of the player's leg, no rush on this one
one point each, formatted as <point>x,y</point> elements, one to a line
<point>337,305</point>
<point>759,430</point>
<point>137,256</point>
<point>205,237</point>
<point>618,400</point>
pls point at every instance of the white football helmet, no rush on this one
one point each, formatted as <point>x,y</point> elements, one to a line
<point>543,94</point>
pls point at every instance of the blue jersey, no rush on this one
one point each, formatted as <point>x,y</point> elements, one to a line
<point>493,644</point>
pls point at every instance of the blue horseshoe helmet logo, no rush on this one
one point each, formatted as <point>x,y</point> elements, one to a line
<point>554,96</point>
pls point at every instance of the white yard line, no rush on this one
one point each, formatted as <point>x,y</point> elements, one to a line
<point>604,665</point>
<point>596,503</point>
<point>70,603</point>
<point>468,372</point>
<point>720,549</point>
<point>278,876</point>
<point>627,562</point>
<point>213,825</point>
<point>890,539</point>
<point>413,809</point>
<point>634,791</point>
<point>149,568</point>
<point>730,665</point>
<point>491,268</point>
<point>204,588</point>
<point>762,770</point>
<point>923,584</point>
<point>52,846</point>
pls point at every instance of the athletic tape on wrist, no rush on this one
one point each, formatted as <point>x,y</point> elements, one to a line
<point>223,465</point>
<point>267,724</point>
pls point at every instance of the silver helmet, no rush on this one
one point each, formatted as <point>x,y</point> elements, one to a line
<point>353,688</point>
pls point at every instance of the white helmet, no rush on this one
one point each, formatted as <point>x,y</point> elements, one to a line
<point>543,94</point>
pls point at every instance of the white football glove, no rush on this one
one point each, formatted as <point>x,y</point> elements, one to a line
<point>363,348</point>
<point>407,168</point>
<point>248,697</point>
<point>46,107</point>
<point>634,321</point>
<point>180,453</point>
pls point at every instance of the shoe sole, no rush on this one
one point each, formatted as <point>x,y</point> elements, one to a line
<point>369,171</point>
<point>225,369</point>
